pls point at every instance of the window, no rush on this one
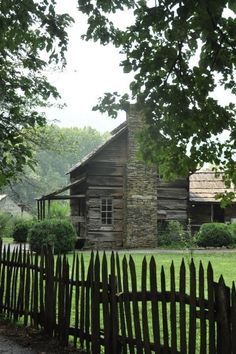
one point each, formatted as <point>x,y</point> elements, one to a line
<point>106,211</point>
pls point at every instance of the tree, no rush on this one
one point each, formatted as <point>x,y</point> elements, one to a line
<point>55,150</point>
<point>32,36</point>
<point>179,51</point>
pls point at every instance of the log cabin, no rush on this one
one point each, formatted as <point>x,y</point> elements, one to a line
<point>116,199</point>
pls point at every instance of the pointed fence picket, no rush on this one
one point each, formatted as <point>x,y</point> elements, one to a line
<point>108,308</point>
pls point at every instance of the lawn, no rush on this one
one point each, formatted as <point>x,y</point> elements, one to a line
<point>223,263</point>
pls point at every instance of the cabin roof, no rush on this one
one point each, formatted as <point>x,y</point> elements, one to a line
<point>204,185</point>
<point>114,134</point>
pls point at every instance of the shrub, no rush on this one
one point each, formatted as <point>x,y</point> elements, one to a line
<point>59,234</point>
<point>21,230</point>
<point>232,229</point>
<point>214,235</point>
<point>170,232</point>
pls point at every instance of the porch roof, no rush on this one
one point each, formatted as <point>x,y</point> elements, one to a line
<point>204,185</point>
<point>55,194</point>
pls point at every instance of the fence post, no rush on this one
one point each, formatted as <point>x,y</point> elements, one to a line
<point>222,296</point>
<point>49,321</point>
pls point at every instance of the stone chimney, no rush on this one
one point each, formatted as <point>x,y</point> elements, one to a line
<point>140,190</point>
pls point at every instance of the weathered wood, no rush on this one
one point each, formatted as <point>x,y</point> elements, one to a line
<point>172,193</point>
<point>95,308</point>
<point>145,323</point>
<point>105,181</point>
<point>95,213</point>
<point>171,204</point>
<point>105,169</point>
<point>106,307</point>
<point>105,192</point>
<point>233,318</point>
<point>154,306</point>
<point>203,347</point>
<point>76,218</point>
<point>192,311</point>
<point>105,236</point>
<point>136,317</point>
<point>127,304</point>
<point>211,311</point>
<point>182,309</point>
<point>173,310</point>
<point>164,310</point>
<point>118,203</point>
<point>96,225</point>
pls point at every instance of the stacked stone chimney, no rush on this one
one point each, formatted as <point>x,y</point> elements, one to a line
<point>141,191</point>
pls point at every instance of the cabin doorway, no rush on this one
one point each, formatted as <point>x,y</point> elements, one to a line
<point>218,213</point>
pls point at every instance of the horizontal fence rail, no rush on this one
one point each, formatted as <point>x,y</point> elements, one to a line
<point>108,305</point>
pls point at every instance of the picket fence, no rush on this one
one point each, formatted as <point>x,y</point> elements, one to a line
<point>108,305</point>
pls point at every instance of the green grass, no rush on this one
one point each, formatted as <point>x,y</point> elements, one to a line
<point>7,240</point>
<point>223,263</point>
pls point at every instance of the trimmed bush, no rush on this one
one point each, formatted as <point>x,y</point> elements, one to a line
<point>232,229</point>
<point>21,230</point>
<point>214,235</point>
<point>59,234</point>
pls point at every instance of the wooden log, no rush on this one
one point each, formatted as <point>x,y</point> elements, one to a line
<point>105,181</point>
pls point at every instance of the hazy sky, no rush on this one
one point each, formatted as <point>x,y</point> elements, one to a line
<point>92,70</point>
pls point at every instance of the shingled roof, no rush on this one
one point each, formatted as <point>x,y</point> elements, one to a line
<point>204,186</point>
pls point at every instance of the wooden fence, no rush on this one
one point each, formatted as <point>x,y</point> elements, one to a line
<point>110,306</point>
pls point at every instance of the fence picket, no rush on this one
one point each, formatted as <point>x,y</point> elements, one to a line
<point>192,310</point>
<point>121,306</point>
<point>77,294</point>
<point>105,307</point>
<point>136,317</point>
<point>173,310</point>
<point>182,308</point>
<point>233,319</point>
<point>82,303</point>
<point>211,309</point>
<point>95,297</point>
<point>145,324</point>
<point>202,310</point>
<point>164,311</point>
<point>154,306</point>
<point>127,305</point>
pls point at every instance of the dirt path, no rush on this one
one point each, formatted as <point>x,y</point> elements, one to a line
<point>8,346</point>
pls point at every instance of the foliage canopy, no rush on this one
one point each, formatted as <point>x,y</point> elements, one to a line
<point>32,36</point>
<point>179,51</point>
